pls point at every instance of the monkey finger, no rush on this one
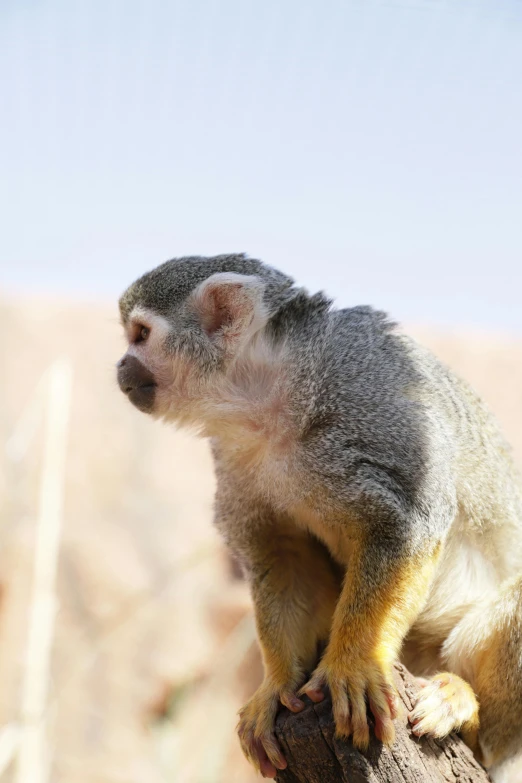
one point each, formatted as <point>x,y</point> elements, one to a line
<point>249,746</point>
<point>266,767</point>
<point>291,701</point>
<point>341,709</point>
<point>360,728</point>
<point>315,694</point>
<point>381,685</point>
<point>270,748</point>
<point>394,703</point>
<point>314,688</point>
<point>384,728</point>
<point>384,706</point>
<point>262,751</point>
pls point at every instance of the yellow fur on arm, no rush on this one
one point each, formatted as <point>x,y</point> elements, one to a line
<point>373,616</point>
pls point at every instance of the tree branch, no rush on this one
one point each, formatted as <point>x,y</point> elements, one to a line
<point>315,755</point>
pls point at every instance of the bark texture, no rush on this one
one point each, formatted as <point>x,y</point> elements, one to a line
<point>315,755</point>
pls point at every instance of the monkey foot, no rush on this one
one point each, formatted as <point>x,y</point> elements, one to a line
<point>445,703</point>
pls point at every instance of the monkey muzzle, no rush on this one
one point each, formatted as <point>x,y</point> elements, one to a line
<point>137,382</point>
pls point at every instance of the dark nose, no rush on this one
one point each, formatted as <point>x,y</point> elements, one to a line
<point>137,382</point>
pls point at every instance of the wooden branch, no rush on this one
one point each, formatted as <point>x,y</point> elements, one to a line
<point>315,755</point>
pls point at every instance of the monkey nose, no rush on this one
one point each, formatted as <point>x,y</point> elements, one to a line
<point>137,382</point>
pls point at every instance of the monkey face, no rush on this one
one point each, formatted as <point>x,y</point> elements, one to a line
<point>176,359</point>
<point>186,322</point>
<point>149,371</point>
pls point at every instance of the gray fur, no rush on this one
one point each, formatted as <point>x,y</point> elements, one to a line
<point>384,423</point>
<point>165,287</point>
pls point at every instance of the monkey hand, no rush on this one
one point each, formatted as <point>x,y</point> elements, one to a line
<point>351,679</point>
<point>256,726</point>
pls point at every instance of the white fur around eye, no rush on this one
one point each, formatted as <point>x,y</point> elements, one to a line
<point>158,328</point>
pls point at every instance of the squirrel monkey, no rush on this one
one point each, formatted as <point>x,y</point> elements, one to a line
<point>366,491</point>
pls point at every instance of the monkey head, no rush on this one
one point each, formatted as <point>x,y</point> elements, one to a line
<point>186,322</point>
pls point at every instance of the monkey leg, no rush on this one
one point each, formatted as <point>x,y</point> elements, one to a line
<point>482,696</point>
<point>295,588</point>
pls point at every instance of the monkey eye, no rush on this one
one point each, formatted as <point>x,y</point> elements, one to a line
<point>143,334</point>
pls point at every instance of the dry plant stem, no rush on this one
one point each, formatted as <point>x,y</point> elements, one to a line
<point>33,751</point>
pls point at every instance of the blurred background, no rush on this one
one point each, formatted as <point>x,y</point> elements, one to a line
<point>367,147</point>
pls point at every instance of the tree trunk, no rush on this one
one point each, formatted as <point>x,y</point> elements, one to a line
<point>315,755</point>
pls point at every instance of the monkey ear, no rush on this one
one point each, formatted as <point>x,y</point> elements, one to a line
<point>230,307</point>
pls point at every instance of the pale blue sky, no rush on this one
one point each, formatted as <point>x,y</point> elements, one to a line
<point>369,147</point>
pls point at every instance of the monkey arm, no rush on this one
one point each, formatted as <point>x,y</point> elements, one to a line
<point>384,589</point>
<point>293,581</point>
<point>385,586</point>
<point>294,588</point>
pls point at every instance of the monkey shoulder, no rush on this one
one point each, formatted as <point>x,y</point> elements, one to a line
<point>370,436</point>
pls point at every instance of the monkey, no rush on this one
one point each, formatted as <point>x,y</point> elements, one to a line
<point>367,492</point>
